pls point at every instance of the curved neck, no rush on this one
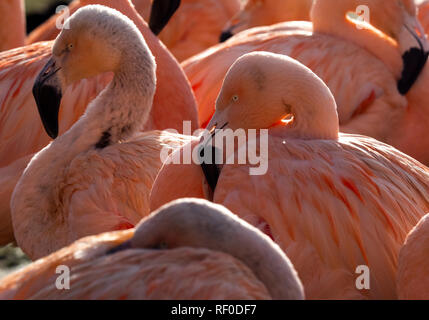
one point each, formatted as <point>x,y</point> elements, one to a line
<point>331,18</point>
<point>220,231</point>
<point>114,115</point>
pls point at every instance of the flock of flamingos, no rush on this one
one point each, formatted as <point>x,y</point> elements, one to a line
<point>84,113</point>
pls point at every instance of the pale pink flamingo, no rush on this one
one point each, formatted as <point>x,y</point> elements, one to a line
<point>211,254</point>
<point>257,13</point>
<point>21,134</point>
<point>195,26</point>
<point>12,24</point>
<point>362,67</point>
<point>332,201</point>
<point>97,176</point>
<point>413,265</point>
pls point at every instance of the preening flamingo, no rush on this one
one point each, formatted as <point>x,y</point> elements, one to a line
<point>195,26</point>
<point>197,261</point>
<point>362,67</point>
<point>332,201</point>
<point>21,134</point>
<point>257,13</point>
<point>413,265</point>
<point>12,24</point>
<point>97,176</point>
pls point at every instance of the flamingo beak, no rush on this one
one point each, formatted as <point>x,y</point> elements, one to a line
<point>414,46</point>
<point>161,13</point>
<point>230,27</point>
<point>47,94</point>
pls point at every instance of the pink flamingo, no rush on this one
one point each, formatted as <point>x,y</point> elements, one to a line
<point>97,176</point>
<point>12,24</point>
<point>378,92</point>
<point>424,15</point>
<point>22,135</point>
<point>332,201</point>
<point>198,261</point>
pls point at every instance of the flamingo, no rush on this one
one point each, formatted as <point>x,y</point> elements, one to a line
<point>21,135</point>
<point>12,24</point>
<point>424,14</point>
<point>413,265</point>
<point>257,13</point>
<point>198,261</point>
<point>8,180</point>
<point>362,67</point>
<point>97,176</point>
<point>194,27</point>
<point>332,201</point>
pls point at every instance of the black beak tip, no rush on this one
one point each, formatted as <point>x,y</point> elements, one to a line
<point>225,35</point>
<point>52,133</point>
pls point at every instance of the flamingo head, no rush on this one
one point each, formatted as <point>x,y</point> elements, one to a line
<point>263,90</point>
<point>95,40</point>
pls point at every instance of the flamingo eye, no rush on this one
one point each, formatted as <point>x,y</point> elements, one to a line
<point>235,98</point>
<point>70,46</point>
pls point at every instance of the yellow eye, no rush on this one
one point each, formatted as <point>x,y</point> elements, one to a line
<point>235,98</point>
<point>70,46</point>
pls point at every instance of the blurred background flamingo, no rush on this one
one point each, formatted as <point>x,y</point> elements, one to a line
<point>424,14</point>
<point>12,24</point>
<point>193,28</point>
<point>371,192</point>
<point>257,13</point>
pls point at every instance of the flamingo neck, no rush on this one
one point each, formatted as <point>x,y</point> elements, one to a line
<point>116,114</point>
<point>12,24</point>
<point>334,21</point>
